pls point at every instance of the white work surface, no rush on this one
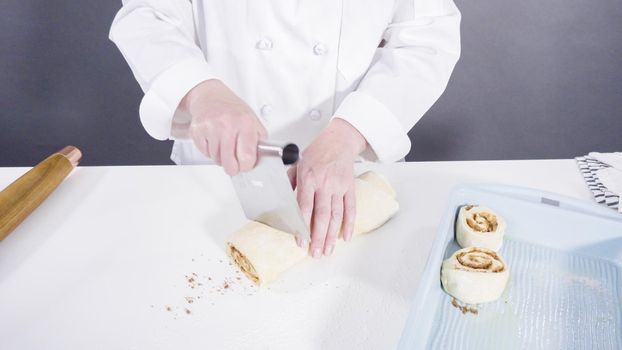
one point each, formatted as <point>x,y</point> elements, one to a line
<point>97,265</point>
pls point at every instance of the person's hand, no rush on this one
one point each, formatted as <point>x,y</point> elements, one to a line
<point>223,127</point>
<point>324,178</point>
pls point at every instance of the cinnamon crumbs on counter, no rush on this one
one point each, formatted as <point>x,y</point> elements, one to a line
<point>209,288</point>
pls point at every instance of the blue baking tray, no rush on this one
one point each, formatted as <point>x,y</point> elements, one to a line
<point>565,287</point>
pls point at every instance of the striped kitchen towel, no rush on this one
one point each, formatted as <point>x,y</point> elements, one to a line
<point>588,166</point>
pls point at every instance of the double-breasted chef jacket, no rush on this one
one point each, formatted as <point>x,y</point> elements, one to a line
<point>378,64</point>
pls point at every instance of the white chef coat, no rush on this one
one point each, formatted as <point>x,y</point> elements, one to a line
<point>378,64</point>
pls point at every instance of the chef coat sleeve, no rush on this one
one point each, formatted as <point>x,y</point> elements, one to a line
<point>158,40</point>
<point>408,74</point>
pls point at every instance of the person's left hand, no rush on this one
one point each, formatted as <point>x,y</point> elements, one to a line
<point>324,178</point>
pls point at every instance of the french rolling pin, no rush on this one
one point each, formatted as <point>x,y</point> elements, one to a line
<point>25,194</point>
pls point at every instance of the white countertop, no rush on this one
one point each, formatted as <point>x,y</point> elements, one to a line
<point>96,266</point>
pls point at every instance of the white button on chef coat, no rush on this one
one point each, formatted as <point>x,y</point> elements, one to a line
<point>265,111</point>
<point>264,44</point>
<point>315,115</point>
<point>381,95</point>
<point>319,49</point>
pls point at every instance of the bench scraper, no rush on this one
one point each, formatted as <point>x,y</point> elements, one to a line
<point>265,192</point>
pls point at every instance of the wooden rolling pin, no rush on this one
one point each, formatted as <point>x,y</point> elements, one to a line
<point>24,195</point>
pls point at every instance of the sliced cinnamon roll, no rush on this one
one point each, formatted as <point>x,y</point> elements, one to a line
<point>479,226</point>
<point>475,275</point>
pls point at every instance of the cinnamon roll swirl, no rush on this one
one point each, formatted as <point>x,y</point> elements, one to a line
<point>479,226</point>
<point>475,275</point>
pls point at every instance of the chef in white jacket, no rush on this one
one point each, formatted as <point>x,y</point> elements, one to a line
<point>341,78</point>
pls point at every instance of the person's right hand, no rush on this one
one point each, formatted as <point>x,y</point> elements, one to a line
<point>223,127</point>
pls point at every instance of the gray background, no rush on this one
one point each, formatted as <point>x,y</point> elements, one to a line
<point>537,79</point>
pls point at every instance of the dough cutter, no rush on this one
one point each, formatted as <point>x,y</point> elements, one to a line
<point>265,192</point>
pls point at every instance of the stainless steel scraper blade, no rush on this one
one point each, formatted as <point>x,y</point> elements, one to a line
<point>266,194</point>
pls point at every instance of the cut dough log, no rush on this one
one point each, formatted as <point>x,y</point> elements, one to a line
<point>379,181</point>
<point>479,226</point>
<point>475,275</point>
<point>263,253</point>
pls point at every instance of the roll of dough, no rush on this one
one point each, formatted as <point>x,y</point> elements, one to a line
<point>379,181</point>
<point>479,226</point>
<point>263,253</point>
<point>475,275</point>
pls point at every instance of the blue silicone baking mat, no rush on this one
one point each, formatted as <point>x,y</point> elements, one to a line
<point>565,288</point>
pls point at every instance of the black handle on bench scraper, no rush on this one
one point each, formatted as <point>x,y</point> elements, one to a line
<point>289,153</point>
